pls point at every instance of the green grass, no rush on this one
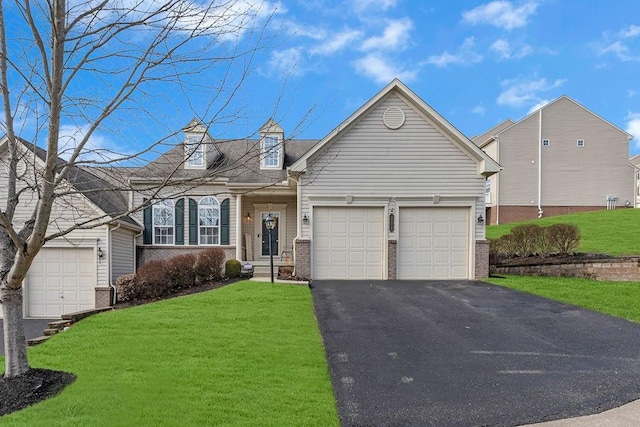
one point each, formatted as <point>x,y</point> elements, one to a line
<point>615,298</point>
<point>611,232</point>
<point>246,354</point>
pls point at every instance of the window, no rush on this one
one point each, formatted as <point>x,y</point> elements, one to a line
<point>209,221</point>
<point>163,222</point>
<point>271,151</point>
<point>545,142</point>
<point>581,143</point>
<point>194,150</point>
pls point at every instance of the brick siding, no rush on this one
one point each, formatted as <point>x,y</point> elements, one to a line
<point>393,259</point>
<point>482,259</point>
<point>104,296</point>
<point>153,253</point>
<point>302,249</point>
<point>509,214</point>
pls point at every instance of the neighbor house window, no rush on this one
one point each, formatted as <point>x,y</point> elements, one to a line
<point>581,143</point>
<point>209,221</point>
<point>271,151</point>
<point>163,222</point>
<point>194,151</point>
<point>545,142</point>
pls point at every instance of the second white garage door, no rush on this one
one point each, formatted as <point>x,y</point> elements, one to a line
<point>348,243</point>
<point>433,243</point>
<point>60,281</point>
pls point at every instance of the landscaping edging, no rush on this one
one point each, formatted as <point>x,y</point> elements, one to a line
<point>614,269</point>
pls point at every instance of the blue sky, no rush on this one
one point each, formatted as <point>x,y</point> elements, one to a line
<point>476,62</point>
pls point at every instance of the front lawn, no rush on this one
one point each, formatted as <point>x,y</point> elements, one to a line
<point>618,299</point>
<point>610,232</point>
<point>246,354</point>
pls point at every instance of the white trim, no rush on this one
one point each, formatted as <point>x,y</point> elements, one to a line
<point>219,226</point>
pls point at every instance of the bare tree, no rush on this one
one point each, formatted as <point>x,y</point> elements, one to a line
<point>83,62</point>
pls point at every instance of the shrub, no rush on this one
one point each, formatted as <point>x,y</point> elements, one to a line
<point>208,265</point>
<point>506,245</point>
<point>526,239</point>
<point>233,268</point>
<point>563,238</point>
<point>151,279</point>
<point>180,271</point>
<point>126,290</point>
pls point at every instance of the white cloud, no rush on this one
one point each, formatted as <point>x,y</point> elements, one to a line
<point>504,50</point>
<point>538,105</point>
<point>395,36</point>
<point>623,44</point>
<point>520,92</point>
<point>362,5</point>
<point>284,63</point>
<point>337,42</point>
<point>501,14</point>
<point>465,55</point>
<point>97,149</point>
<point>381,70</point>
<point>633,127</point>
<point>479,110</point>
<point>630,31</point>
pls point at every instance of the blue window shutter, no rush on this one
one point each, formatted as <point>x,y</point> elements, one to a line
<point>224,222</point>
<point>147,217</point>
<point>180,222</point>
<point>193,222</point>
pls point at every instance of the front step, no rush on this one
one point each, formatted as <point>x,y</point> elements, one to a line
<point>67,320</point>
<point>38,340</point>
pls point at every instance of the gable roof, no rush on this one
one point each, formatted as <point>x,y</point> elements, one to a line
<point>480,139</point>
<point>486,165</point>
<point>563,97</point>
<point>97,190</point>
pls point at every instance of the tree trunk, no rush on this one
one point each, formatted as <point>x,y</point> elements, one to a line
<point>15,344</point>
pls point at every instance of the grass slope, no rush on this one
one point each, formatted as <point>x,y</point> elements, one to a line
<point>611,232</point>
<point>242,355</point>
<point>615,298</point>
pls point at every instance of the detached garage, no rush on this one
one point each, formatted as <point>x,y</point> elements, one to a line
<point>394,192</point>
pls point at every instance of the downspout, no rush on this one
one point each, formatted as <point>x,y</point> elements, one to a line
<point>497,184</point>
<point>110,260</point>
<point>298,216</point>
<point>540,212</point>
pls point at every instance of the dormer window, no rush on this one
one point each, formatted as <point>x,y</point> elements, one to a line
<point>194,151</point>
<point>271,146</point>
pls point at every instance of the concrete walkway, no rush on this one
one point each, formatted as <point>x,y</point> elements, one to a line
<point>625,416</point>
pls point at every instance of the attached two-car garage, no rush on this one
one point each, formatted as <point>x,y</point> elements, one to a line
<point>350,243</point>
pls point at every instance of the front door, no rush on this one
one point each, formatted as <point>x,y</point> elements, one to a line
<point>274,234</point>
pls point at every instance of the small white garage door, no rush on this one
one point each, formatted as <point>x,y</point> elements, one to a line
<point>60,281</point>
<point>348,242</point>
<point>433,243</point>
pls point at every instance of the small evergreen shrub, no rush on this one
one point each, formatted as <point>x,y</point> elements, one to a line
<point>208,265</point>
<point>180,271</point>
<point>233,268</point>
<point>563,238</point>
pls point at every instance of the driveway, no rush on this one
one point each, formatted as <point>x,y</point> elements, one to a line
<point>32,328</point>
<point>467,353</point>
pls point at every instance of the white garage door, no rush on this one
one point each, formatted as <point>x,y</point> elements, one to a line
<point>348,243</point>
<point>433,243</point>
<point>60,281</point>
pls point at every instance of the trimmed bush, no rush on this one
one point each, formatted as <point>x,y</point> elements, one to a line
<point>151,280</point>
<point>180,271</point>
<point>232,268</point>
<point>526,239</point>
<point>563,238</point>
<point>125,288</point>
<point>208,265</point>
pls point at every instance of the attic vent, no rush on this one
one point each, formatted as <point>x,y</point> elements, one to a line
<point>393,118</point>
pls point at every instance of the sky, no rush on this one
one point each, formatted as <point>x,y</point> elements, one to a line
<point>475,62</point>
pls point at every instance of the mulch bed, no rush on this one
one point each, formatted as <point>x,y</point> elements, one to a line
<point>30,388</point>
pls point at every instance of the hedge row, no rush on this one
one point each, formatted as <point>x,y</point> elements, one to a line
<point>531,239</point>
<point>159,278</point>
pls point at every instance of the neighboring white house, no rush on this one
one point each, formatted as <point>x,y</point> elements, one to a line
<point>395,191</point>
<point>560,159</point>
<point>634,161</point>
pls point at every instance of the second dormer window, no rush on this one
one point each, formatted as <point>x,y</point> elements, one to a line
<point>194,151</point>
<point>271,151</point>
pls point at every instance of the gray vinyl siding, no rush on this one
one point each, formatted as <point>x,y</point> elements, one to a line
<point>415,161</point>
<point>123,254</point>
<point>571,176</point>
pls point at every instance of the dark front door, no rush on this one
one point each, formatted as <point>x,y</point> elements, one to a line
<point>274,235</point>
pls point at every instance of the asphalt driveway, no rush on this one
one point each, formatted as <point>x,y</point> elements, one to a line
<point>410,353</point>
<point>32,329</point>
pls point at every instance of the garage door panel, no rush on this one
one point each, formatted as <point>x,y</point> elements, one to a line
<point>61,280</point>
<point>354,236</point>
<point>433,243</point>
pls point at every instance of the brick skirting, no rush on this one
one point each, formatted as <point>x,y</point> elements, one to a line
<point>302,248</point>
<point>154,253</point>
<point>509,213</point>
<point>482,259</point>
<point>615,269</point>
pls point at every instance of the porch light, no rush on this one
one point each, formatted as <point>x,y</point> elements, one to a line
<point>305,218</point>
<point>480,220</point>
<point>270,224</point>
<point>248,217</point>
